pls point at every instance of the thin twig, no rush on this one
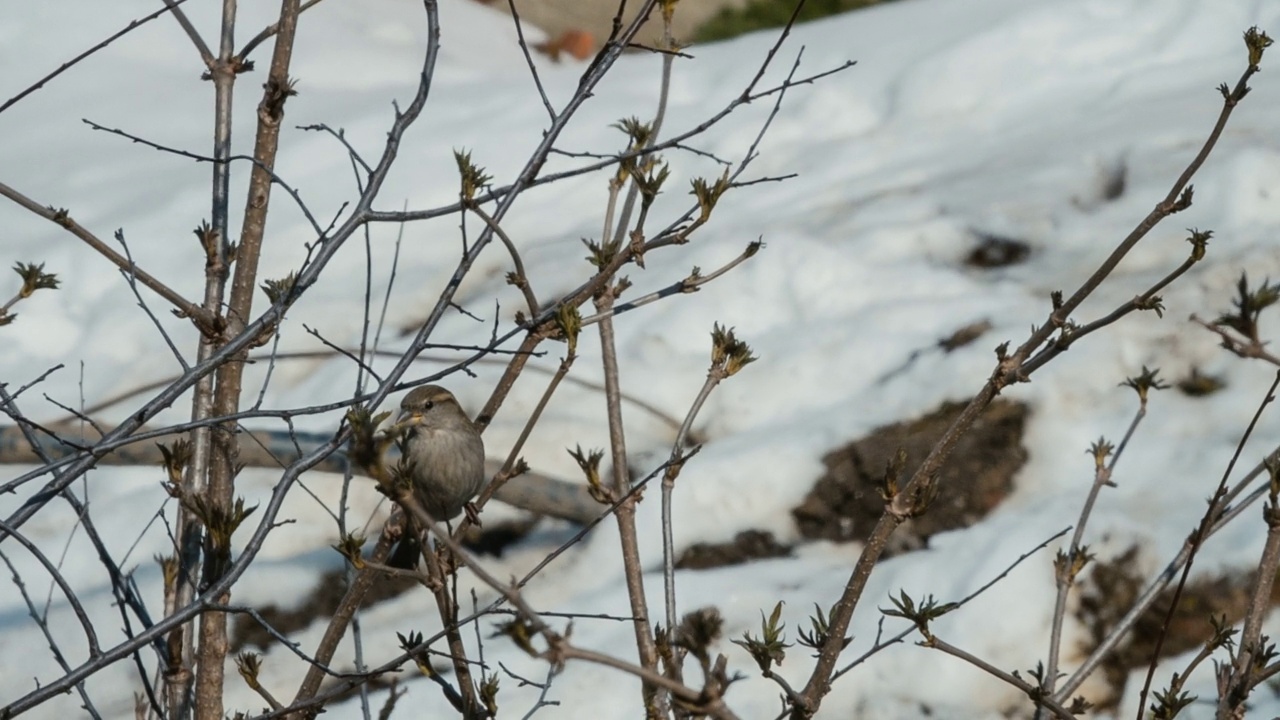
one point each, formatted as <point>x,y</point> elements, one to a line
<point>1066,566</point>
<point>1196,541</point>
<point>267,32</point>
<point>258,164</point>
<point>201,46</point>
<point>1030,690</point>
<point>1010,369</point>
<point>133,25</point>
<point>342,138</point>
<point>533,71</point>
<point>130,276</point>
<point>43,624</point>
<point>521,277</point>
<point>63,219</point>
<point>689,284</point>
<point>715,374</point>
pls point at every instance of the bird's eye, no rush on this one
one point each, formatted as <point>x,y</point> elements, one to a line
<point>429,404</point>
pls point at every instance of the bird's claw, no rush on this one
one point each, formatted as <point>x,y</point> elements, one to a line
<point>473,514</point>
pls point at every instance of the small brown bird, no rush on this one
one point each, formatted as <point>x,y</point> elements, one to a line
<point>448,460</point>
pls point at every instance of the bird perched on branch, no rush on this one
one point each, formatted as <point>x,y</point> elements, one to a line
<point>445,455</point>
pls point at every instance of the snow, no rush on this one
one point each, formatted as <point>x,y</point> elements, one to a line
<point>991,116</point>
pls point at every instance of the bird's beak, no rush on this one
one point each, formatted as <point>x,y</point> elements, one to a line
<point>406,418</point>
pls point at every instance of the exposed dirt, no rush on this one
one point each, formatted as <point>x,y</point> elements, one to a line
<point>846,502</point>
<point>324,597</point>
<point>320,603</point>
<point>1109,590</point>
<point>996,251</point>
<point>843,505</point>
<point>746,546</point>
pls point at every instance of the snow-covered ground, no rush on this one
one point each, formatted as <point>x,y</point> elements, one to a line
<point>991,116</point>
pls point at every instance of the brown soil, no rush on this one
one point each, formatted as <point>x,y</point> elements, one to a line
<point>1109,590</point>
<point>746,546</point>
<point>846,502</point>
<point>327,593</point>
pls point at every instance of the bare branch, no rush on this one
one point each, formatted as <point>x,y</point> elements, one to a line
<point>133,25</point>
<point>63,219</point>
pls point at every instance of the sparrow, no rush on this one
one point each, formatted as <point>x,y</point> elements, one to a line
<point>446,455</point>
